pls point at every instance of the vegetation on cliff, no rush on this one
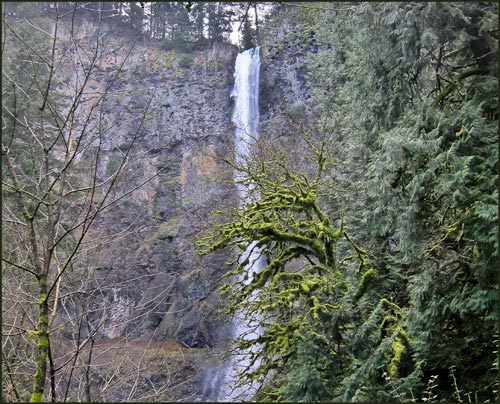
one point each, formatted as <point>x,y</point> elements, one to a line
<point>52,191</point>
<point>91,167</point>
<point>409,98</point>
<point>378,227</point>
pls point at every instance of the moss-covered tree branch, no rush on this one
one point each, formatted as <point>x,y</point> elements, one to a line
<point>285,225</point>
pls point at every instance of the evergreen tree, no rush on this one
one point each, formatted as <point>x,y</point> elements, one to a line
<point>248,39</point>
<point>409,94</point>
<point>136,16</point>
<point>219,21</point>
<point>182,28</point>
<point>198,14</point>
<point>309,288</point>
<point>411,88</point>
<point>157,20</point>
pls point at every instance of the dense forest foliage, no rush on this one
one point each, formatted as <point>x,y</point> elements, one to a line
<point>381,275</point>
<point>179,25</point>
<point>396,297</point>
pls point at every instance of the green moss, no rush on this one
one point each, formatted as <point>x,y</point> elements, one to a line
<point>43,341</point>
<point>226,288</point>
<point>43,299</point>
<point>388,322</point>
<point>36,398</point>
<point>366,279</point>
<point>32,334</point>
<point>287,276</point>
<point>397,350</point>
<point>305,287</point>
<point>38,374</point>
<point>386,302</point>
<point>315,307</point>
<point>43,358</point>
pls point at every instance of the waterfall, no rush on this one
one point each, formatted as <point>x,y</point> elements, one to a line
<point>246,109</point>
<point>219,383</point>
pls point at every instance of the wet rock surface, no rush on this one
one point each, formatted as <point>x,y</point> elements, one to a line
<point>170,112</point>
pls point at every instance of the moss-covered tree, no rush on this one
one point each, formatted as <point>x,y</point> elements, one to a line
<point>411,91</point>
<point>52,192</point>
<point>408,93</point>
<point>297,276</point>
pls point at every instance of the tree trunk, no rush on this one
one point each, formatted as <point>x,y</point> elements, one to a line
<point>257,36</point>
<point>42,339</point>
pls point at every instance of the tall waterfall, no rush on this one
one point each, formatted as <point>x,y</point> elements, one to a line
<point>246,109</point>
<point>219,383</point>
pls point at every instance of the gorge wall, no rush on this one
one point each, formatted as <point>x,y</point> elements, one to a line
<point>178,105</point>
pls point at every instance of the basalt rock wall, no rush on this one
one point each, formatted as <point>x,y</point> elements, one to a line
<point>168,115</point>
<point>170,112</point>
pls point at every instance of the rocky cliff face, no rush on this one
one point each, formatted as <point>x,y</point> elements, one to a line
<point>178,107</point>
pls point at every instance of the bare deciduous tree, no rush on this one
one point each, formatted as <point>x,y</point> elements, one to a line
<point>54,131</point>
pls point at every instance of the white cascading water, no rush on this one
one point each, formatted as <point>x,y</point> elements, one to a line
<point>219,384</point>
<point>246,110</point>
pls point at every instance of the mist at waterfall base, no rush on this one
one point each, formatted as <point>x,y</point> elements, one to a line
<point>219,384</point>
